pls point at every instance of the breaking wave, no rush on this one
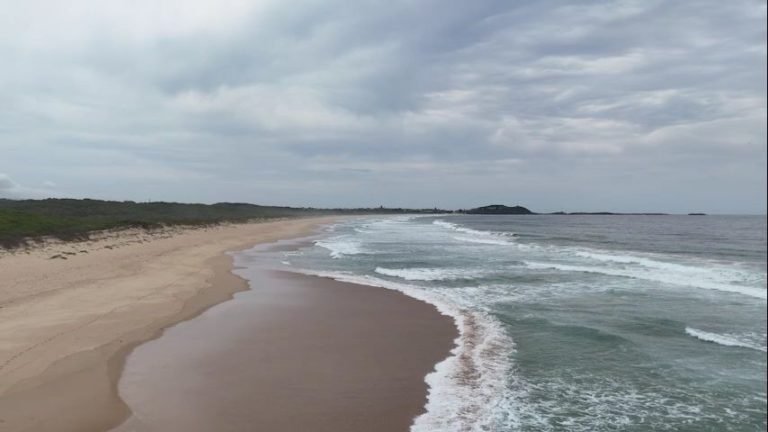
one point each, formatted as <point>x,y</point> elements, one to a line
<point>468,390</point>
<point>476,236</point>
<point>722,339</point>
<point>429,274</point>
<point>688,277</point>
<point>341,246</point>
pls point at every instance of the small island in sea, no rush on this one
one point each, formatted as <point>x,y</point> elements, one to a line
<point>501,210</point>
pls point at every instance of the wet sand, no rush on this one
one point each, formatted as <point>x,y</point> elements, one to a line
<point>71,312</point>
<point>294,353</point>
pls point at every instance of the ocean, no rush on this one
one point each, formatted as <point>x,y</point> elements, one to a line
<point>575,323</point>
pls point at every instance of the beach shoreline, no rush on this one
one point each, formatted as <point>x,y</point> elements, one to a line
<point>295,352</point>
<point>70,313</point>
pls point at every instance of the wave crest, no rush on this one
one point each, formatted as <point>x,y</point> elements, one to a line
<point>722,339</point>
<point>476,236</point>
<point>339,247</point>
<point>429,274</point>
<point>695,278</point>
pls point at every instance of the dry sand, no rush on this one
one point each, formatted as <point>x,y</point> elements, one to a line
<point>70,312</point>
<point>301,354</point>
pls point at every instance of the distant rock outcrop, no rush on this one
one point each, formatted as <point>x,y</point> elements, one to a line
<point>501,209</point>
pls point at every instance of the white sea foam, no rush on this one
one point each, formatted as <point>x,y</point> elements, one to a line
<point>701,278</point>
<point>704,269</point>
<point>453,226</point>
<point>430,274</point>
<point>619,257</point>
<point>341,246</point>
<point>468,390</point>
<point>609,404</point>
<point>482,240</point>
<point>723,339</point>
<point>476,387</point>
<point>485,297</point>
<point>476,236</point>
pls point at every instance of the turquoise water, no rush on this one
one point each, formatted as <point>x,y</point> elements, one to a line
<point>576,323</point>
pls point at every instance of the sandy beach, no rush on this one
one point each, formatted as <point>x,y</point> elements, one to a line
<point>70,314</point>
<point>294,353</point>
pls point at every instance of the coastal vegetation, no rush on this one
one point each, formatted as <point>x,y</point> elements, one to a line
<point>73,219</point>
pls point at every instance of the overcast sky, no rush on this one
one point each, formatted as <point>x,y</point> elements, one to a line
<point>611,105</point>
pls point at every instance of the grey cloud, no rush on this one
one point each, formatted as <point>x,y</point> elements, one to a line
<point>6,184</point>
<point>284,102</point>
<point>13,190</point>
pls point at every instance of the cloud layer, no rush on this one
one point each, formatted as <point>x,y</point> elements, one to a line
<point>615,105</point>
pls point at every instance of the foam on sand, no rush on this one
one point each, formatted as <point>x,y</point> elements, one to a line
<point>468,390</point>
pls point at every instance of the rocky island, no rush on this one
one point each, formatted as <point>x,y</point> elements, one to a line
<point>499,209</point>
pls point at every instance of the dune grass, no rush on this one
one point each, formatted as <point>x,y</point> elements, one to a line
<point>72,219</point>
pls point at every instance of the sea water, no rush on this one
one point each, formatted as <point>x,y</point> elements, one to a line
<point>575,323</point>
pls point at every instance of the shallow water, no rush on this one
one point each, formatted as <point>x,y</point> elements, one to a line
<point>576,323</point>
